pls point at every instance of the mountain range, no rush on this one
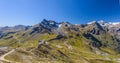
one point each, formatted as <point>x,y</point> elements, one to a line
<point>63,42</point>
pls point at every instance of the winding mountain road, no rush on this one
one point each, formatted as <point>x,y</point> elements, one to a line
<point>3,56</point>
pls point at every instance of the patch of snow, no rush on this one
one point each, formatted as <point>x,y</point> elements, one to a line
<point>114,23</point>
<point>59,25</point>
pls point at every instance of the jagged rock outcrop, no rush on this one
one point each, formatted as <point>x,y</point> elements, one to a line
<point>44,27</point>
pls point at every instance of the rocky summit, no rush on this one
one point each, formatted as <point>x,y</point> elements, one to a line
<point>61,42</point>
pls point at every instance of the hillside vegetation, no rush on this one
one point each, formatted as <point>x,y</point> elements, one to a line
<point>52,42</point>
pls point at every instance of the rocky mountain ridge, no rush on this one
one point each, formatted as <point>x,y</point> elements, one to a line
<point>50,41</point>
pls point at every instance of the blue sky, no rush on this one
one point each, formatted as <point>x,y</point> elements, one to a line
<point>29,12</point>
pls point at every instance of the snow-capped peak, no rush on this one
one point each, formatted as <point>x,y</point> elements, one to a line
<point>114,23</point>
<point>102,23</point>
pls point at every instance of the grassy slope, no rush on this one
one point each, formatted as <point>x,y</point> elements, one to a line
<point>80,51</point>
